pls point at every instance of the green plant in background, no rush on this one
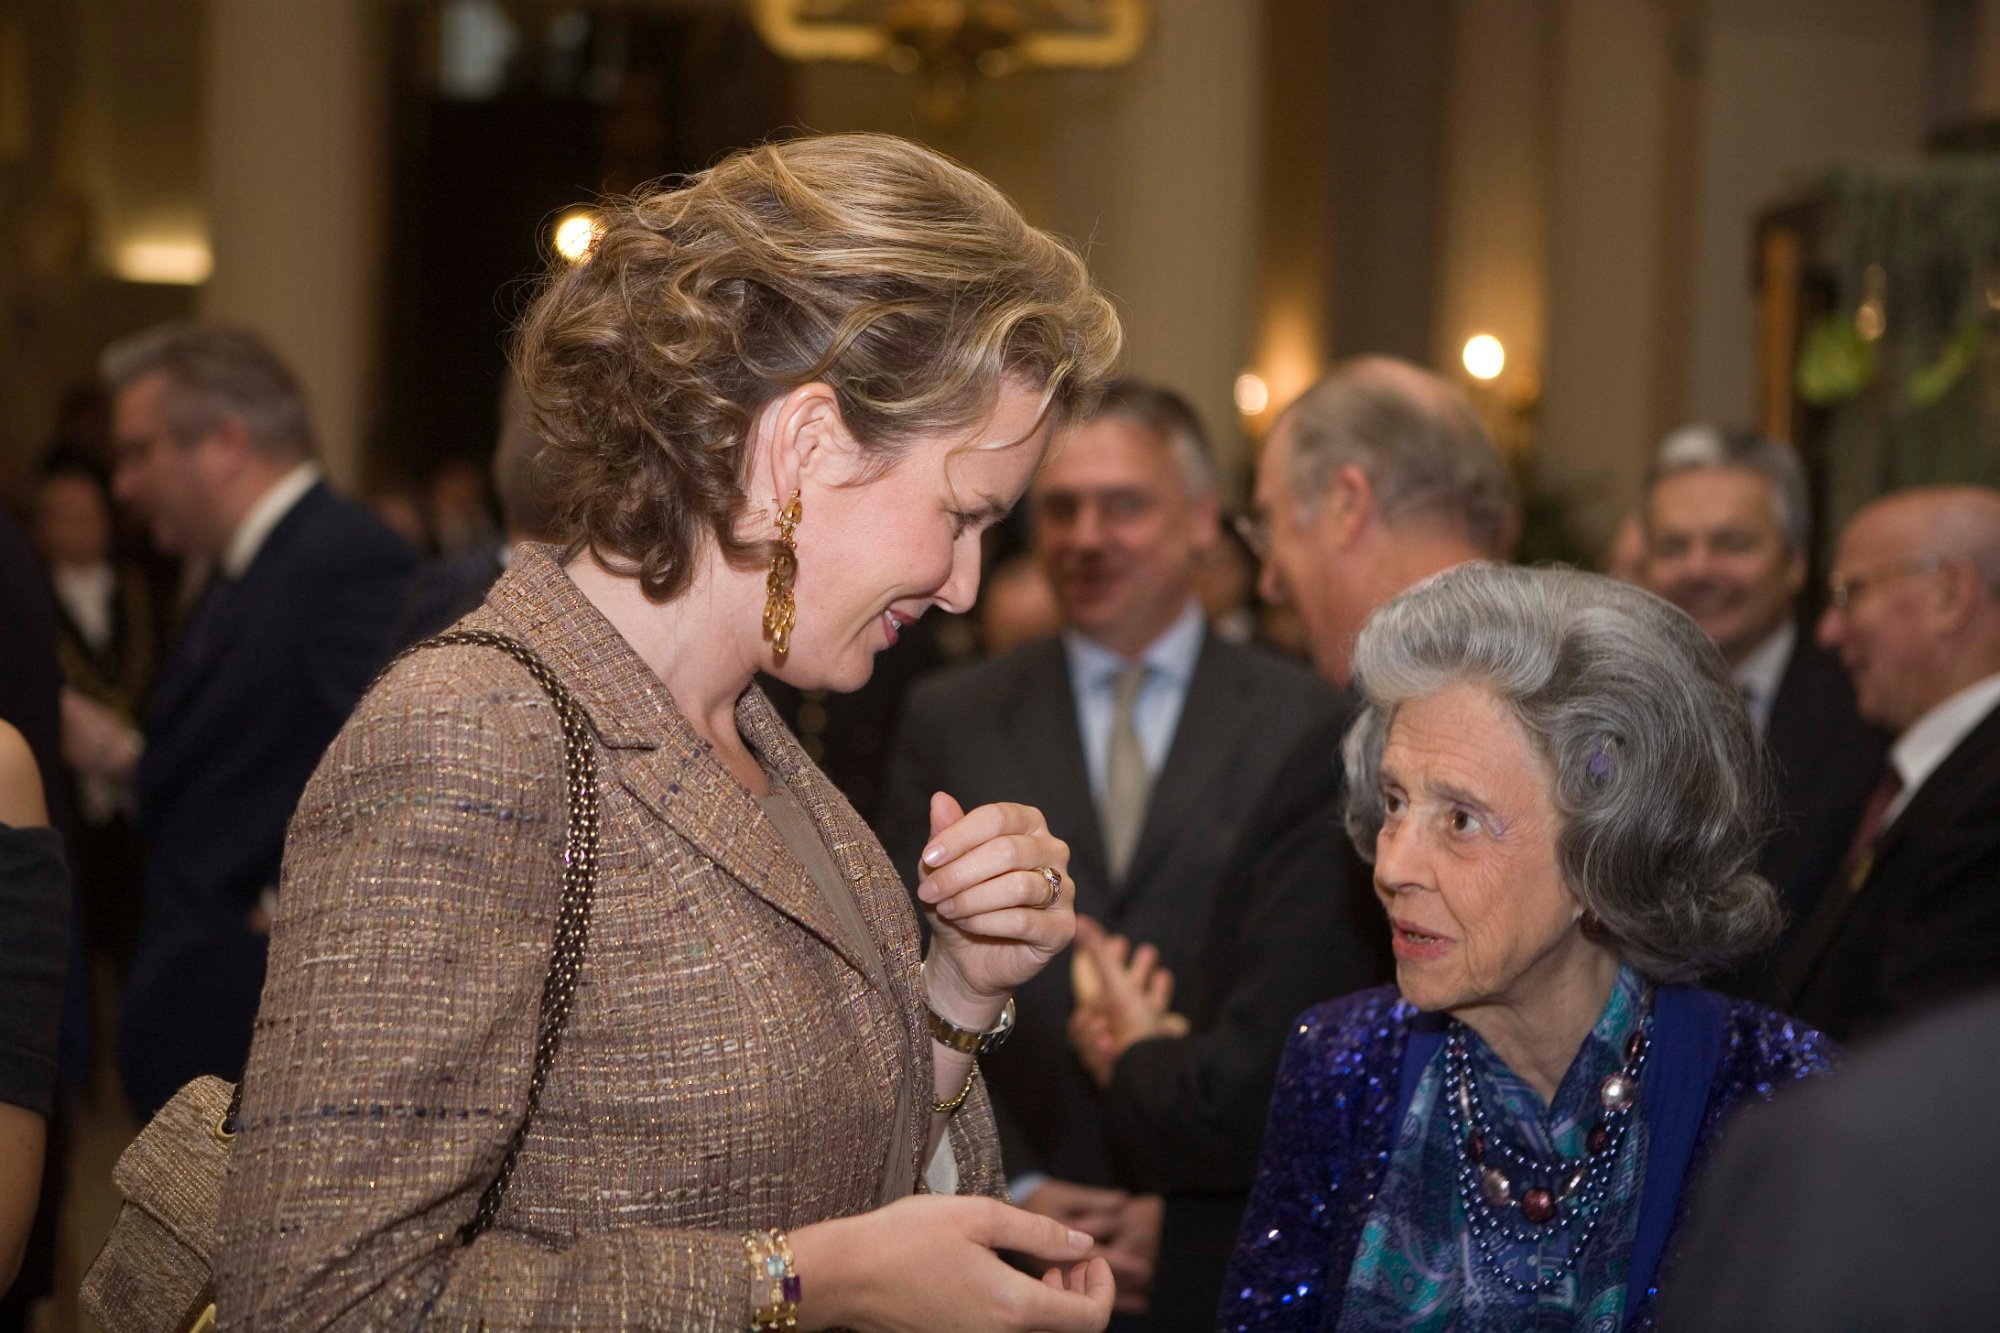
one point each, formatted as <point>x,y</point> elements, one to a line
<point>1929,384</point>
<point>1908,363</point>
<point>1835,362</point>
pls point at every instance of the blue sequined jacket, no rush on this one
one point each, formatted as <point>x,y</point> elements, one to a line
<point>1350,1068</point>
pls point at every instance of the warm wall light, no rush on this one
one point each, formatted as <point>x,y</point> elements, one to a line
<point>1252,394</point>
<point>575,234</point>
<point>181,260</point>
<point>1485,358</point>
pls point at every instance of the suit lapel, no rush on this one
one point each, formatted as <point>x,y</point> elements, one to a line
<point>1794,731</point>
<point>218,619</point>
<point>654,753</point>
<point>1934,803</point>
<point>1932,806</point>
<point>1204,746</point>
<point>1048,746</point>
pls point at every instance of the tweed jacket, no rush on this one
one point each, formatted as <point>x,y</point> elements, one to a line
<point>728,1064</point>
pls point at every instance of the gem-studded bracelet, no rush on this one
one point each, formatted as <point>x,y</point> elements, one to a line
<point>771,1274</point>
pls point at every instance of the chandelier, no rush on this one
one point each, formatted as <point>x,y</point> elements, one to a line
<point>948,43</point>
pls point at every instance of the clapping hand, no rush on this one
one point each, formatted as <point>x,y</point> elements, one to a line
<point>1123,996</point>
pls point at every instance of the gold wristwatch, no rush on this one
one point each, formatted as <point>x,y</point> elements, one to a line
<point>968,1040</point>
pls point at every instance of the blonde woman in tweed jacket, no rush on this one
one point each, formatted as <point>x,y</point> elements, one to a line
<point>782,402</point>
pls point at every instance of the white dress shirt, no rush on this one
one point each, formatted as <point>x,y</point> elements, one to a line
<point>1093,670</point>
<point>1759,675</point>
<point>1929,741</point>
<point>86,593</point>
<point>266,514</point>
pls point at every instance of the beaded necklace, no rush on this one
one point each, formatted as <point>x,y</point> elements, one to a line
<point>1516,1196</point>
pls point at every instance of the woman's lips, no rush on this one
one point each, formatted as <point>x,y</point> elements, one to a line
<point>1415,944</point>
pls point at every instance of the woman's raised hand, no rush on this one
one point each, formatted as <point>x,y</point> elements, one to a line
<point>927,1264</point>
<point>983,890</point>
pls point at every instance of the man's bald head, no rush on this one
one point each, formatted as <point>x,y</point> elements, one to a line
<point>1423,449</point>
<point>1917,590</point>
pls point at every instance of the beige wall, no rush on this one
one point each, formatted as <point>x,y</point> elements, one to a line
<point>1607,239</point>
<point>1787,88</point>
<point>1493,246</point>
<point>1154,168</point>
<point>295,173</point>
<point>134,146</point>
<point>1636,142</point>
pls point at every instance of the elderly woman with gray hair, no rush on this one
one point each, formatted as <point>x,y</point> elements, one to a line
<point>1562,797</point>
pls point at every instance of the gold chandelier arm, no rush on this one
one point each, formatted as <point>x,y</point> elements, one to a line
<point>778,23</point>
<point>1123,34</point>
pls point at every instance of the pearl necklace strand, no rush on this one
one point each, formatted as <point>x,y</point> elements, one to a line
<point>1574,1189</point>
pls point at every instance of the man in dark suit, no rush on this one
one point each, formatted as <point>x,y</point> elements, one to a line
<point>1911,919</point>
<point>1855,1203</point>
<point>1727,530</point>
<point>1143,737</point>
<point>1377,477</point>
<point>215,449</point>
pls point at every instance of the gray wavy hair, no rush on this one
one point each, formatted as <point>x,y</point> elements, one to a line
<point>1660,780</point>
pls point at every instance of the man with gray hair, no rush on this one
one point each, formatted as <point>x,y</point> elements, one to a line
<point>215,450</point>
<point>1727,531</point>
<point>1146,739</point>
<point>1911,919</point>
<point>1378,476</point>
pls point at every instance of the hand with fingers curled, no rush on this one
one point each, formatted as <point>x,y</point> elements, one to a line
<point>930,1263</point>
<point>1123,996</point>
<point>997,892</point>
<point>1125,1226</point>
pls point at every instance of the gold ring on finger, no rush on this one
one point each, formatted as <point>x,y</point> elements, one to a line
<point>1054,878</point>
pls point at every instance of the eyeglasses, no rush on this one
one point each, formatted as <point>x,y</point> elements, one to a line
<point>1255,532</point>
<point>1843,588</point>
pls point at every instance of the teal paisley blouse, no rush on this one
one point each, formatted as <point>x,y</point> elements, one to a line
<point>1417,1266</point>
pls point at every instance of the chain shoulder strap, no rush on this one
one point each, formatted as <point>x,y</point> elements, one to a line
<point>579,877</point>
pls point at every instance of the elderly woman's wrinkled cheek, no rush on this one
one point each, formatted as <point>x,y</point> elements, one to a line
<point>1513,911</point>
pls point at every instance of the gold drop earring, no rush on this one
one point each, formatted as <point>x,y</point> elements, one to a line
<point>780,610</point>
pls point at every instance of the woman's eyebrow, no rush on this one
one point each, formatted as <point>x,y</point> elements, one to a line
<point>1460,796</point>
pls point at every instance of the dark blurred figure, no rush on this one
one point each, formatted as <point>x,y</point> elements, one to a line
<point>109,637</point>
<point>401,510</point>
<point>454,584</point>
<point>83,427</point>
<point>1911,920</point>
<point>1017,605</point>
<point>1727,531</point>
<point>1856,1204</point>
<point>34,950</point>
<point>1225,578</point>
<point>458,508</point>
<point>215,449</point>
<point>30,661</point>
<point>1625,555</point>
<point>30,691</point>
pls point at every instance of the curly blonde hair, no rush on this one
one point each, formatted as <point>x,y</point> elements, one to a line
<point>906,283</point>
